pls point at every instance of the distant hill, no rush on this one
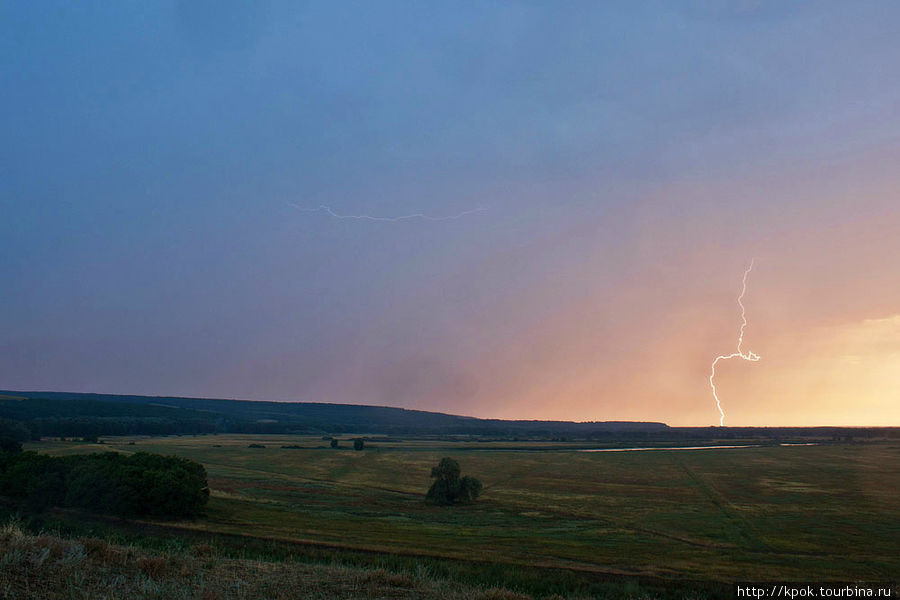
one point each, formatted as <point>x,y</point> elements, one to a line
<point>113,413</point>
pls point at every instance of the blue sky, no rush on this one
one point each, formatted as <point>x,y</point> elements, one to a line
<point>150,153</point>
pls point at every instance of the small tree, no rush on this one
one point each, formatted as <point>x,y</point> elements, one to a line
<point>334,443</point>
<point>358,444</point>
<point>8,444</point>
<point>449,488</point>
<point>469,490</point>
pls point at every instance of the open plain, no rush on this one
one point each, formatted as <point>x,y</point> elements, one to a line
<point>822,512</point>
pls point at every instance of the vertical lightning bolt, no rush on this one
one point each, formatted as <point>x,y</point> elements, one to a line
<point>750,356</point>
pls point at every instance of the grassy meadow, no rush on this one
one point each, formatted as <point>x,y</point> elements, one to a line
<point>51,567</point>
<point>828,512</point>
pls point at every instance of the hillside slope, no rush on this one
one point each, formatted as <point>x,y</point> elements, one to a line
<point>262,416</point>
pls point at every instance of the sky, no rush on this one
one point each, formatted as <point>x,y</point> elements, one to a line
<point>159,163</point>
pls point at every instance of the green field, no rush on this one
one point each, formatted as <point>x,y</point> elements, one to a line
<point>828,512</point>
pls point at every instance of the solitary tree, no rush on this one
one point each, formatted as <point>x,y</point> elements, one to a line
<point>449,488</point>
<point>334,443</point>
<point>358,444</point>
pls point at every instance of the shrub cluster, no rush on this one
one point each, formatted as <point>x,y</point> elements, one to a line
<point>449,487</point>
<point>8,444</point>
<point>140,484</point>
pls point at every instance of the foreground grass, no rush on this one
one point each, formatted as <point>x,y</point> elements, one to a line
<point>520,581</point>
<point>49,567</point>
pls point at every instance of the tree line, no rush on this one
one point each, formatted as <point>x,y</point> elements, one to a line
<point>135,485</point>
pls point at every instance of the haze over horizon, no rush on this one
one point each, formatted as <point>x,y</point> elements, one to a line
<point>631,160</point>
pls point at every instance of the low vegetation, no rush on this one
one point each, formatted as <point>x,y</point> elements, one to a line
<point>449,488</point>
<point>50,567</point>
<point>139,484</point>
<point>550,519</point>
<point>10,445</point>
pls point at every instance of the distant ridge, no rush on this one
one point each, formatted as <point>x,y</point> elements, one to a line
<point>283,416</point>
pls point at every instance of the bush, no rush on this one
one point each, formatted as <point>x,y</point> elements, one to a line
<point>469,490</point>
<point>256,446</point>
<point>358,444</point>
<point>449,488</point>
<point>8,444</point>
<point>334,443</point>
<point>15,430</point>
<point>140,484</point>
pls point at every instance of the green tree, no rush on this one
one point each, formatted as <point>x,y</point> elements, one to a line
<point>15,430</point>
<point>8,444</point>
<point>449,488</point>
<point>334,443</point>
<point>469,490</point>
<point>358,444</point>
<point>126,485</point>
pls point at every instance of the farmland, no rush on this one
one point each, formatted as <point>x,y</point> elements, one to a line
<point>823,512</point>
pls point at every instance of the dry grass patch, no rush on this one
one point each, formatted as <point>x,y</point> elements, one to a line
<point>49,567</point>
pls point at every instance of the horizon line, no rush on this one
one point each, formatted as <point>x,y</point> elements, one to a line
<point>538,420</point>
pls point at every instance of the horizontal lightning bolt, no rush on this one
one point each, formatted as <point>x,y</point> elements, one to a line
<point>327,210</point>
